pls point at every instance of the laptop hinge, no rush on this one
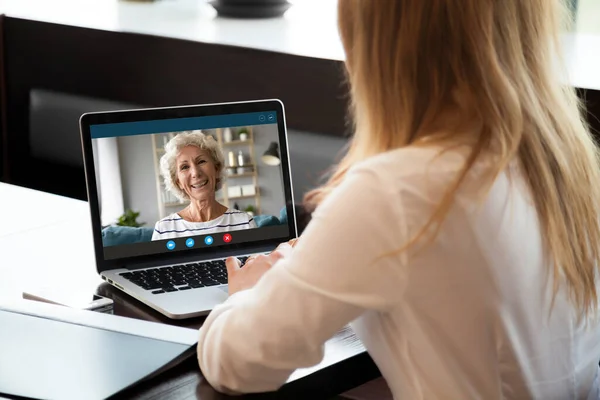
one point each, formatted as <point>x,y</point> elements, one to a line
<point>189,259</point>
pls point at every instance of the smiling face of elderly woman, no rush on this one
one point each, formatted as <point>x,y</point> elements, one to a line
<point>196,173</point>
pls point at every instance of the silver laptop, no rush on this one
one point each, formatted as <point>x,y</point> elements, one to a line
<point>228,193</point>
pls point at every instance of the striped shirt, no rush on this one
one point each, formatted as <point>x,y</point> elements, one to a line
<point>173,226</point>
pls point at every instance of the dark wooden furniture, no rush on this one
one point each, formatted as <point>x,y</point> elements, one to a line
<point>149,71</point>
<point>157,71</point>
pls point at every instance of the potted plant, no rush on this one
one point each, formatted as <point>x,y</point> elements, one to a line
<point>250,210</point>
<point>243,134</point>
<point>129,218</point>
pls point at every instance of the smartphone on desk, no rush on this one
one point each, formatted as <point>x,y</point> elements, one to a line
<point>83,300</point>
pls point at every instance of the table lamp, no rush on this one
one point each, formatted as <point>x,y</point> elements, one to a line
<point>271,156</point>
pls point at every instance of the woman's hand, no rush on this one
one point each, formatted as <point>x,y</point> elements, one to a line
<point>255,267</point>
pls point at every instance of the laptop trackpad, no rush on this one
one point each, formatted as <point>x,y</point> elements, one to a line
<point>224,288</point>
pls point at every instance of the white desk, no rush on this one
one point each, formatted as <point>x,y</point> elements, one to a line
<point>301,31</point>
<point>41,233</point>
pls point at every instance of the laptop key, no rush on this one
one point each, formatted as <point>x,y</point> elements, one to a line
<point>154,285</point>
<point>158,291</point>
<point>188,276</point>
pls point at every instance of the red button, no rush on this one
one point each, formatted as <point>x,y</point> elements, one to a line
<point>227,238</point>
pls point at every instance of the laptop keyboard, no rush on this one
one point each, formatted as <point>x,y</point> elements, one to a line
<point>180,277</point>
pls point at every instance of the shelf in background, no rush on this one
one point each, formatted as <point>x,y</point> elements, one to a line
<point>239,197</point>
<point>237,142</point>
<point>242,166</point>
<point>245,174</point>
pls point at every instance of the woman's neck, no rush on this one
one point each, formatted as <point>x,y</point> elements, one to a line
<point>203,210</point>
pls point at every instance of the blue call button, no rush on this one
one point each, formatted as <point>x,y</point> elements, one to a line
<point>189,242</point>
<point>170,245</point>
<point>208,240</point>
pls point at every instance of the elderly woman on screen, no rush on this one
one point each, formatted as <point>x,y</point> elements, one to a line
<point>192,168</point>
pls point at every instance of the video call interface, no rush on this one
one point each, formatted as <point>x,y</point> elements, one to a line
<point>188,183</point>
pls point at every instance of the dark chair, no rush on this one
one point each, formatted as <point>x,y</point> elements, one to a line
<point>55,146</point>
<point>54,141</point>
<point>77,69</point>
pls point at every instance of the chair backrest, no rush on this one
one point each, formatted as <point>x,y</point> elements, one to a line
<point>54,124</point>
<point>54,140</point>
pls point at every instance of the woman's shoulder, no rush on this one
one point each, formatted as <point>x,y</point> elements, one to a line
<point>237,215</point>
<point>172,218</point>
<point>414,162</point>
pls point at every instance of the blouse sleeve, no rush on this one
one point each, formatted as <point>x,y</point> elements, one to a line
<point>345,263</point>
<point>155,234</point>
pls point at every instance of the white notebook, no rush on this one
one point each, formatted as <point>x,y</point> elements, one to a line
<point>54,352</point>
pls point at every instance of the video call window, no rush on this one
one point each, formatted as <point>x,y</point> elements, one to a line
<point>201,184</point>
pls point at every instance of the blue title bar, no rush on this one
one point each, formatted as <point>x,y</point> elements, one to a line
<point>182,124</point>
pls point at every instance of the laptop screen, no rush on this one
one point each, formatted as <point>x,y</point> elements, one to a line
<point>175,185</point>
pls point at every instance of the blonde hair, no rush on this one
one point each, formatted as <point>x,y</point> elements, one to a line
<point>168,162</point>
<point>492,64</point>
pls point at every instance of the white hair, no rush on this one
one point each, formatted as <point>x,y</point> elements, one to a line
<point>168,162</point>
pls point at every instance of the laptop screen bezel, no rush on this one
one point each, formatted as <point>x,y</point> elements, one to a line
<point>98,118</point>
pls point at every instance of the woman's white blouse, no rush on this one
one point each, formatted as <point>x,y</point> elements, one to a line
<point>465,317</point>
<point>173,226</point>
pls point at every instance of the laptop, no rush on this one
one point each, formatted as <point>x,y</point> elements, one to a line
<point>165,241</point>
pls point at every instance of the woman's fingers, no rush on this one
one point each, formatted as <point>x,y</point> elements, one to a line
<point>254,268</point>
<point>263,259</point>
<point>283,250</point>
<point>250,260</point>
<point>232,264</point>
